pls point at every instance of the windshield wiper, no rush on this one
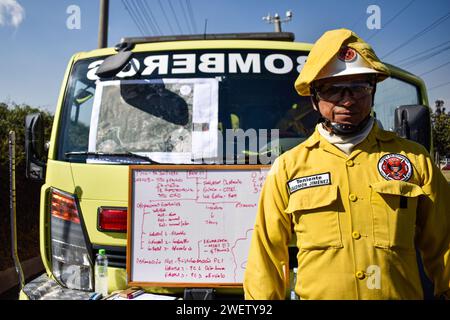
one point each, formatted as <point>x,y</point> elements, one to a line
<point>103,154</point>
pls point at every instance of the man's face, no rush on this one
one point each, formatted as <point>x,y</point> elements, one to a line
<point>343,105</point>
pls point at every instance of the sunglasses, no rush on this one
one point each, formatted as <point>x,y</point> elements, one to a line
<point>335,92</point>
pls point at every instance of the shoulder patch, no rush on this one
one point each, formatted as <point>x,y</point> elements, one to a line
<point>394,166</point>
<point>316,180</point>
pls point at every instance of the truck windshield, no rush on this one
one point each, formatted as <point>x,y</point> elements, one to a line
<point>188,107</point>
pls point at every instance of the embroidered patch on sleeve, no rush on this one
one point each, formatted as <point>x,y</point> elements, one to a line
<point>316,180</point>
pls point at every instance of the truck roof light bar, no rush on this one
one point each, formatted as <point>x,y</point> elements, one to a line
<point>274,36</point>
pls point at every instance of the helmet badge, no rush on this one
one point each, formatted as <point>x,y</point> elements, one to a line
<point>347,54</point>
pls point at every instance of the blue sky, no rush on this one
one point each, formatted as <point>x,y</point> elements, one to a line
<point>36,43</point>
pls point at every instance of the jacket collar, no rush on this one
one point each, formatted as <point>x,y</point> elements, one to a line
<point>376,134</point>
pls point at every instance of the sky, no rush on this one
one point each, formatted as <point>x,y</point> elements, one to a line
<point>38,37</point>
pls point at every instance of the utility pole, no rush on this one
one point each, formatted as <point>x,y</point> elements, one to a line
<point>103,24</point>
<point>277,21</point>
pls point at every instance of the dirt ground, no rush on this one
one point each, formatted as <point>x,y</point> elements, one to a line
<point>27,208</point>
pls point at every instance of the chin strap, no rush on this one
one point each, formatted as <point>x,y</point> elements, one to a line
<point>344,129</point>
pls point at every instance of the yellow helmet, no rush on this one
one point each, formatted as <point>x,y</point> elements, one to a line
<point>337,53</point>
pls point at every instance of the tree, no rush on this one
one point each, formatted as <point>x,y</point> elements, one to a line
<point>13,118</point>
<point>441,130</point>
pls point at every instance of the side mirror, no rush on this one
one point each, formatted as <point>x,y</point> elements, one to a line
<point>34,147</point>
<point>114,64</point>
<point>413,122</point>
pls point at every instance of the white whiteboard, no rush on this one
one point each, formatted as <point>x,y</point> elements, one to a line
<point>191,226</point>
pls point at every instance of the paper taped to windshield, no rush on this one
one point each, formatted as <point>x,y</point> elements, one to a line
<point>173,120</point>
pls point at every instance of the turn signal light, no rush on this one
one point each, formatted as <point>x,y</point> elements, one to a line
<point>112,219</point>
<point>64,207</point>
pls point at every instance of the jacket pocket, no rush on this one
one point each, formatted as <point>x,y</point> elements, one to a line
<point>394,205</point>
<point>316,218</point>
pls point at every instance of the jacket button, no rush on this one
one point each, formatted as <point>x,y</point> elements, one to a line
<point>352,197</point>
<point>350,163</point>
<point>360,275</point>
<point>356,235</point>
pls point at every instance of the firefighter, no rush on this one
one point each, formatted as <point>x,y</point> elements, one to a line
<point>358,199</point>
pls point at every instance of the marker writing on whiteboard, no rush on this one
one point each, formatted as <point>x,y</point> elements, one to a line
<point>177,238</point>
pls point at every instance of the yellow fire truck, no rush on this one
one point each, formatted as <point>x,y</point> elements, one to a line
<point>136,104</point>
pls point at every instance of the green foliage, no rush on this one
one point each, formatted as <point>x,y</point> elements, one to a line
<point>441,133</point>
<point>78,137</point>
<point>12,117</point>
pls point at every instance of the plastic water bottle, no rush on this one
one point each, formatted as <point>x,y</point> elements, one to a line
<point>294,281</point>
<point>101,273</point>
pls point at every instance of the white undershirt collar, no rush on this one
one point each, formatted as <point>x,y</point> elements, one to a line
<point>346,143</point>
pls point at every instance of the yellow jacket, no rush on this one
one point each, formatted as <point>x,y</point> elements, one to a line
<point>356,224</point>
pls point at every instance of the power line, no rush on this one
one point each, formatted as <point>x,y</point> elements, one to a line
<point>427,51</point>
<point>419,34</point>
<point>438,86</point>
<point>146,17</point>
<point>133,17</point>
<point>152,17</point>
<point>175,16</point>
<point>357,22</point>
<point>424,58</point>
<point>191,15</point>
<point>434,69</point>
<point>138,14</point>
<point>183,10</point>
<point>392,19</point>
<point>165,16</point>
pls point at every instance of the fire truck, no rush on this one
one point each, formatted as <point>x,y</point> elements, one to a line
<point>136,104</point>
